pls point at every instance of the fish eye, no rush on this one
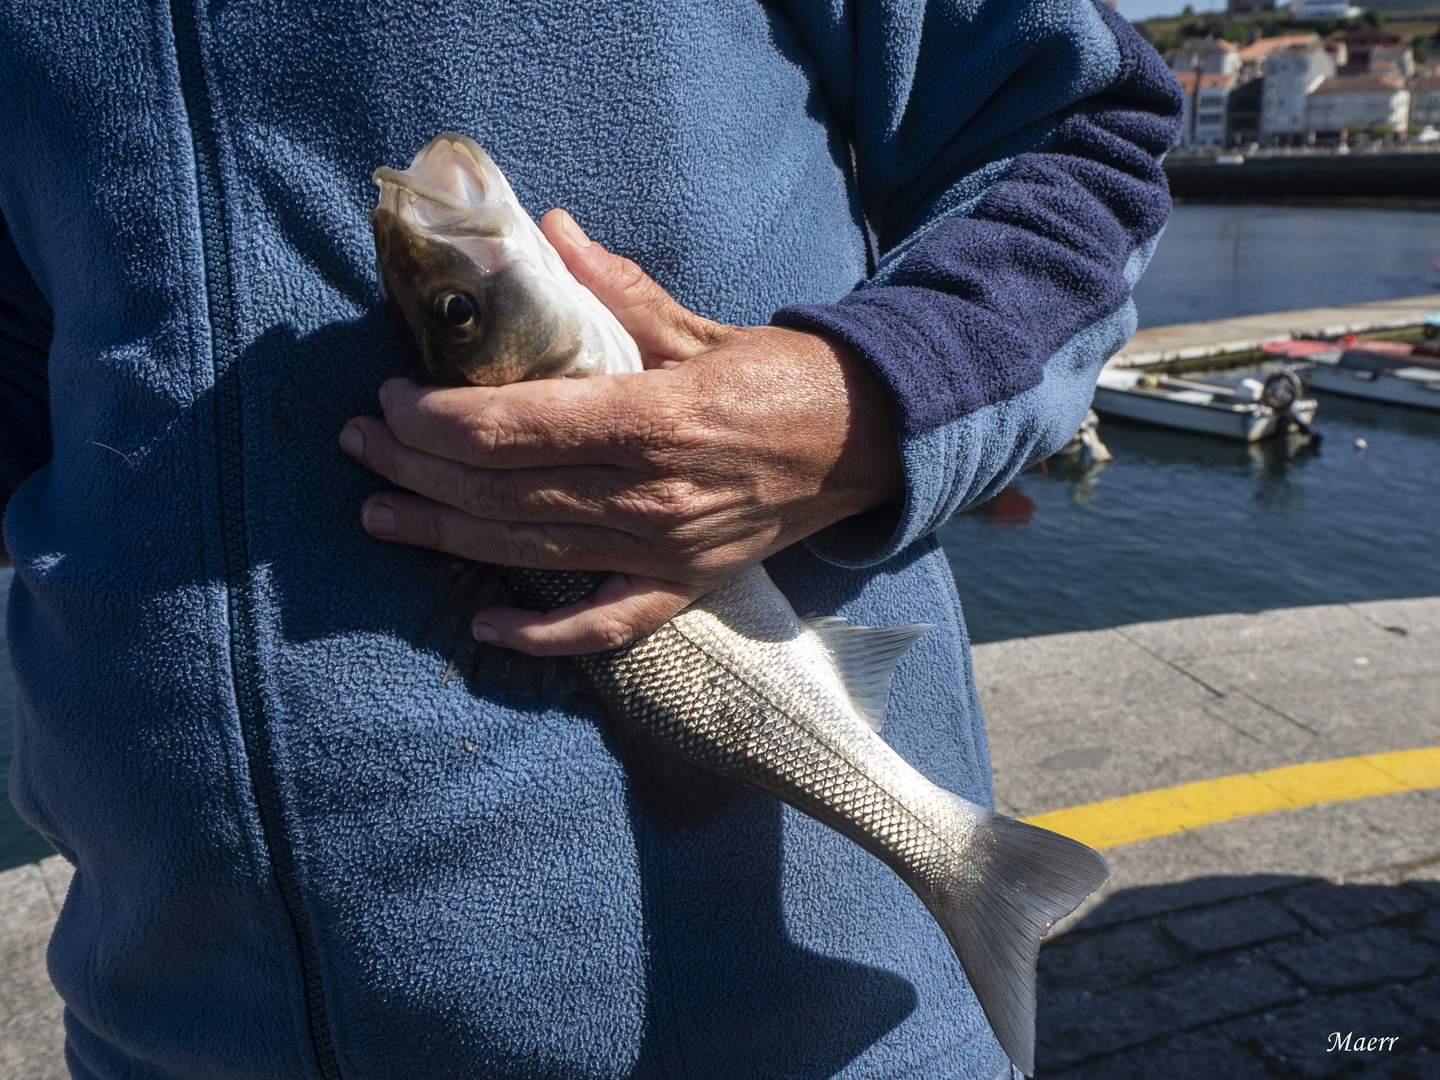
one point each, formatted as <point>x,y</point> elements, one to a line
<point>455,309</point>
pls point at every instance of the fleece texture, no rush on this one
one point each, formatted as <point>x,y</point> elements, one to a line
<point>298,853</point>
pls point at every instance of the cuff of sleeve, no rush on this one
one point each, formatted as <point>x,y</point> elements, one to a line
<point>965,462</point>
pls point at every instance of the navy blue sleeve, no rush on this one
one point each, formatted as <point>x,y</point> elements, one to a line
<point>25,333</point>
<point>974,306</point>
<point>1007,159</point>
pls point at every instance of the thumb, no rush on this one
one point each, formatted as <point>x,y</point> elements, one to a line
<point>666,332</point>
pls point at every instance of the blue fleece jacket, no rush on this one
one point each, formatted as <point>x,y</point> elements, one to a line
<point>298,853</point>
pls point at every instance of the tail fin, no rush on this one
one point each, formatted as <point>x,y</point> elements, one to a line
<point>996,913</point>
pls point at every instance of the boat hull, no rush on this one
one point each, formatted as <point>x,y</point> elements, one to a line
<point>1243,424</point>
<point>1419,388</point>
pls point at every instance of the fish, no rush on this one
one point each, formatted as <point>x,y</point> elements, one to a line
<point>736,690</point>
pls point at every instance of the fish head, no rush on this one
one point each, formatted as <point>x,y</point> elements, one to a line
<point>477,293</point>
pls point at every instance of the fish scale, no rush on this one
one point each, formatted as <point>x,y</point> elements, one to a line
<point>736,689</point>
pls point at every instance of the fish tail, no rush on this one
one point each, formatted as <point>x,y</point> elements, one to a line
<point>995,910</point>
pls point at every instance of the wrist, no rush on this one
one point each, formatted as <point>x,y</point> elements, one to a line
<point>869,469</point>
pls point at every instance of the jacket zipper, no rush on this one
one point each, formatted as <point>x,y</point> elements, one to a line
<point>229,437</point>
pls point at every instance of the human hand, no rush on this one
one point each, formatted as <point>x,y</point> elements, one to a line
<point>735,442</point>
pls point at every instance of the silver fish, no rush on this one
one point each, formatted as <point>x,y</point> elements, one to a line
<point>737,689</point>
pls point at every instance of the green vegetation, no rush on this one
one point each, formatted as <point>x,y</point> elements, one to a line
<point>1422,27</point>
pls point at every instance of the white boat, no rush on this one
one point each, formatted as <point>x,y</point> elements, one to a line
<point>1391,371</point>
<point>1250,411</point>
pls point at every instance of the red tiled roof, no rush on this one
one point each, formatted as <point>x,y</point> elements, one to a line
<point>1266,45</point>
<point>1360,39</point>
<point>1187,80</point>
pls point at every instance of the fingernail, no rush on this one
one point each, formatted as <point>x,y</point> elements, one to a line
<point>483,631</point>
<point>378,519</point>
<point>352,440</point>
<point>573,230</point>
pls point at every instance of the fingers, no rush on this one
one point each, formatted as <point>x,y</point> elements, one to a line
<point>402,518</point>
<point>577,494</point>
<point>666,332</point>
<point>602,420</point>
<point>625,607</point>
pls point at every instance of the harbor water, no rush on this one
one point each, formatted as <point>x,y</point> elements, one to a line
<point>1221,262</point>
<point>1181,524</point>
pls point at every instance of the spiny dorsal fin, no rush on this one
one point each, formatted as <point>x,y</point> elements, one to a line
<point>865,658</point>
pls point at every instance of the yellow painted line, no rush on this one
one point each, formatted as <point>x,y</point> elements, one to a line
<point>1164,811</point>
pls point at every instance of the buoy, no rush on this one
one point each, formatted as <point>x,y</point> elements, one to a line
<point>1361,444</point>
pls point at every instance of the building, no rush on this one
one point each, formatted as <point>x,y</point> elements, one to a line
<point>1211,67</point>
<point>1248,9</point>
<point>1344,104</point>
<point>1425,102</point>
<point>1205,119</point>
<point>1210,56</point>
<point>1291,73</point>
<point>1371,52</point>
<point>1253,56</point>
<point>1242,112</point>
<point>1211,110</point>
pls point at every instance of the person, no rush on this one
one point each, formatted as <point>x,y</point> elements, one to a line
<point>874,254</point>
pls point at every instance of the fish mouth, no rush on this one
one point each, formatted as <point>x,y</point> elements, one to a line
<point>452,188</point>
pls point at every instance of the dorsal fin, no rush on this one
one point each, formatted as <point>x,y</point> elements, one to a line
<point>865,658</point>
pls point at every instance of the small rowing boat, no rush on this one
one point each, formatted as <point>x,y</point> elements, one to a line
<point>1248,411</point>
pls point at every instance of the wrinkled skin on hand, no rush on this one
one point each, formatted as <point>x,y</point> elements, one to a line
<point>734,443</point>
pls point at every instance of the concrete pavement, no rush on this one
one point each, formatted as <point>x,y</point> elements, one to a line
<point>1238,949</point>
<point>1233,950</point>
<point>31,1037</point>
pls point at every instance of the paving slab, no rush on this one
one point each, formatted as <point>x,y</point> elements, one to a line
<point>1365,958</point>
<point>31,1035</point>
<point>1205,1056</point>
<point>1080,717</point>
<point>1207,996</point>
<point>1337,909</point>
<point>1254,922</point>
